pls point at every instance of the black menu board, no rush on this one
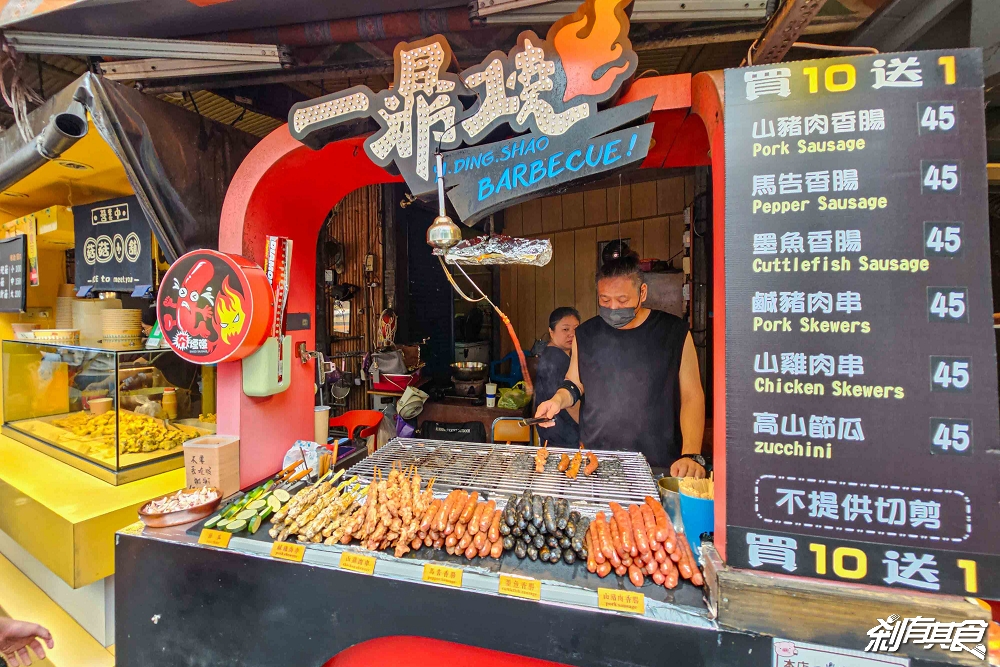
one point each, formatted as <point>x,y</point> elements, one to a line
<point>113,245</point>
<point>13,274</point>
<point>861,371</point>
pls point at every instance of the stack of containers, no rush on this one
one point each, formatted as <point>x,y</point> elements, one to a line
<point>64,307</point>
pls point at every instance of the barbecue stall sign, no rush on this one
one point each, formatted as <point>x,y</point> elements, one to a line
<point>543,95</point>
<point>214,306</point>
<point>113,245</point>
<point>861,368</point>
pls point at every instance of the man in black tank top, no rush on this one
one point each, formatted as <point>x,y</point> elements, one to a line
<point>635,371</point>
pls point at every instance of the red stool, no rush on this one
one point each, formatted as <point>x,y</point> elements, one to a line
<point>366,420</point>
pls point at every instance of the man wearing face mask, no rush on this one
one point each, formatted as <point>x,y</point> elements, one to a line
<point>635,371</point>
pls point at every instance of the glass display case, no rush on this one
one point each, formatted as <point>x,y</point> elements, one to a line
<point>118,414</point>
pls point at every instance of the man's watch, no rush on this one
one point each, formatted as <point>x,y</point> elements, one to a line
<point>697,458</point>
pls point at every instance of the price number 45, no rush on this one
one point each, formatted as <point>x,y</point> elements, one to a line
<point>953,374</point>
<point>937,117</point>
<point>951,436</point>
<point>940,177</point>
<point>942,239</point>
<point>947,304</point>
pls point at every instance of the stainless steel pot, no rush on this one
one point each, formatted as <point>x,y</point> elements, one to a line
<point>469,371</point>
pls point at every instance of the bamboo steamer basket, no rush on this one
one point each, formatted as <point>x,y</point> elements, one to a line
<point>57,336</point>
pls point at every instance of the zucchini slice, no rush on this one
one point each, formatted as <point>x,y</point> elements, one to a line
<point>236,526</point>
<point>274,503</point>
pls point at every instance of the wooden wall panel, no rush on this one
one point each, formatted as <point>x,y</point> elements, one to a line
<point>512,221</point>
<point>643,199</point>
<point>677,238</point>
<point>614,212</point>
<point>670,195</point>
<point>552,214</point>
<point>585,241</point>
<point>531,217</point>
<point>575,222</point>
<point>526,305</point>
<point>355,223</point>
<point>545,286</point>
<point>564,261</point>
<point>572,208</point>
<point>595,210</point>
<point>656,238</point>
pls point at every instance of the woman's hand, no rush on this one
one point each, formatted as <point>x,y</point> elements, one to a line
<point>548,409</point>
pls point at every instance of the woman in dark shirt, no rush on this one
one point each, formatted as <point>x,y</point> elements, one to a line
<point>553,363</point>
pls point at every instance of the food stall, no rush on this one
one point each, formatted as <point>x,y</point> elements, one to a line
<point>96,202</point>
<point>433,550</point>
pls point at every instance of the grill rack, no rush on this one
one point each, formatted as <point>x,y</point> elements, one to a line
<point>499,470</point>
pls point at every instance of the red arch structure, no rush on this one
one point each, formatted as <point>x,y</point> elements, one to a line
<point>285,189</point>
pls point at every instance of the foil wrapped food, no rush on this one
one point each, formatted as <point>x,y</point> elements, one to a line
<point>500,249</point>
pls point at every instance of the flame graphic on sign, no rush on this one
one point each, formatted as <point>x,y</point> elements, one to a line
<point>229,314</point>
<point>593,38</point>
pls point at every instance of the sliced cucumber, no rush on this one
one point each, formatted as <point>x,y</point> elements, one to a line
<point>236,526</point>
<point>246,515</point>
<point>253,495</point>
<point>230,511</point>
<point>254,524</point>
<point>270,483</point>
<point>282,496</point>
<point>257,505</point>
<point>266,512</point>
<point>274,503</point>
<point>214,520</point>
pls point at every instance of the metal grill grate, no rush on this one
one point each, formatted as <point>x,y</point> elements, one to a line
<point>501,470</point>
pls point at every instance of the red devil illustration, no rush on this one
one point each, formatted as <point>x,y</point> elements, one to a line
<point>190,314</point>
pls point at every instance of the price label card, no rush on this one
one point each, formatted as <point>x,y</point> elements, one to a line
<point>611,599</point>
<point>520,587</point>
<point>288,551</point>
<point>214,538</point>
<point>357,563</point>
<point>439,574</point>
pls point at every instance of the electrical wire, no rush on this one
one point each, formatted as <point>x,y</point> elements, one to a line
<point>870,50</point>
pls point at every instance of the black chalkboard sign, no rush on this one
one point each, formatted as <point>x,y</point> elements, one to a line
<point>13,275</point>
<point>113,245</point>
<point>861,384</point>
